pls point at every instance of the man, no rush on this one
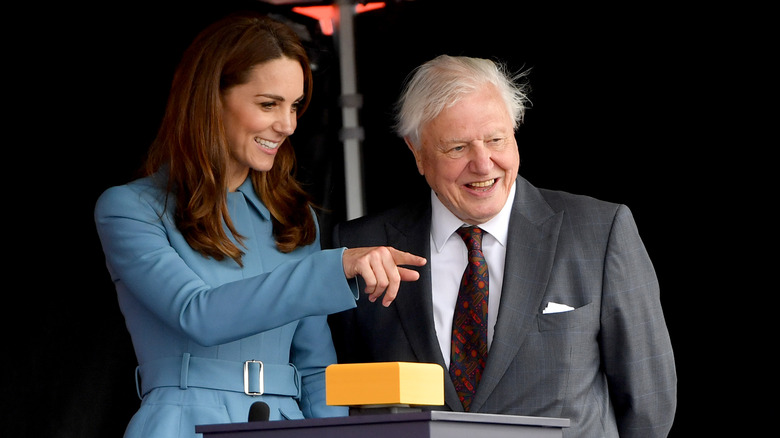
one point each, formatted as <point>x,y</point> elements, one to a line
<point>574,322</point>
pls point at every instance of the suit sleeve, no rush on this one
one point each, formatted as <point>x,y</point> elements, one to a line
<point>143,263</point>
<point>635,344</point>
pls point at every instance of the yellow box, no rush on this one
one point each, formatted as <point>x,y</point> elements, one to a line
<point>384,383</point>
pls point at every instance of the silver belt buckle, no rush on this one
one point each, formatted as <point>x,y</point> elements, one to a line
<point>246,378</point>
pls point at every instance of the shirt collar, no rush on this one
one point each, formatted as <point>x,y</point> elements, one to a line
<point>444,223</point>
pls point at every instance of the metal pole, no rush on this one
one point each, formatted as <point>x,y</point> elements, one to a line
<point>351,133</point>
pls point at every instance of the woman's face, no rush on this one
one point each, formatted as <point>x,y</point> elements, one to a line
<point>259,114</point>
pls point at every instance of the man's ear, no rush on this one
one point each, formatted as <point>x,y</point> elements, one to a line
<point>417,155</point>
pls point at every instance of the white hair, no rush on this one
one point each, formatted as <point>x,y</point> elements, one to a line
<point>444,80</point>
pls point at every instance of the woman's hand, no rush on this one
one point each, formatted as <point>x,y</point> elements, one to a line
<point>379,267</point>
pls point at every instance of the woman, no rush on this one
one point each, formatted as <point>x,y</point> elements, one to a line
<point>215,253</point>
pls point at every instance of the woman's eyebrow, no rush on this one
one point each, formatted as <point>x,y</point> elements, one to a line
<point>270,96</point>
<point>277,97</point>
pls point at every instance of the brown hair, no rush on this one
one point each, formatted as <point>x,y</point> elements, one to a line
<point>191,141</point>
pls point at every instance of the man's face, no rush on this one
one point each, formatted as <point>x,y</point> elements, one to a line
<point>469,155</point>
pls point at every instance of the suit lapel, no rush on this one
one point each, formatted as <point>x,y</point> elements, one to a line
<point>533,235</point>
<point>414,302</point>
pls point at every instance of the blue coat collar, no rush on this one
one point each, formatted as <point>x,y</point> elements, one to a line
<point>248,190</point>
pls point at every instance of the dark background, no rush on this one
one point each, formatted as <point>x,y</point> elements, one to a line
<point>634,104</point>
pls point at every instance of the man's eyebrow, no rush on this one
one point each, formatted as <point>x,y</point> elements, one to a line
<point>453,140</point>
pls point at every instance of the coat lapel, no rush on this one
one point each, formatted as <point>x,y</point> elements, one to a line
<point>531,243</point>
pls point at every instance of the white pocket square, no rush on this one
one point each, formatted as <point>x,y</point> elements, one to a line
<point>556,308</point>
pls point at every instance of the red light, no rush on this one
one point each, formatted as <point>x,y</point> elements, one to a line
<point>323,14</point>
<point>326,14</point>
<point>369,6</point>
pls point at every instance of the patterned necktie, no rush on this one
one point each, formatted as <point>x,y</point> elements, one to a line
<point>469,324</point>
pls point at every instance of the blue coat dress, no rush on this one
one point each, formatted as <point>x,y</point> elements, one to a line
<point>200,327</point>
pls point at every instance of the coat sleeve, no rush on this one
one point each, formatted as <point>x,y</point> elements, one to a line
<point>312,352</point>
<point>636,348</point>
<point>142,262</point>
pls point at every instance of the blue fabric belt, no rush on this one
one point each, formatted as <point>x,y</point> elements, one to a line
<point>200,372</point>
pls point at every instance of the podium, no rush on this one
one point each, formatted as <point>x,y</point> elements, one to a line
<point>429,424</point>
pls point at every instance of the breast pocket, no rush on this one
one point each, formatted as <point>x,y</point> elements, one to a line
<point>580,317</point>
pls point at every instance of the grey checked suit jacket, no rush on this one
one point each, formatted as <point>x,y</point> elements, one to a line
<point>608,365</point>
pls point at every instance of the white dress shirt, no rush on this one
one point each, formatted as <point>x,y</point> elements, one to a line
<point>449,257</point>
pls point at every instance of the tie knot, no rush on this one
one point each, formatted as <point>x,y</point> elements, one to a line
<point>472,236</point>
